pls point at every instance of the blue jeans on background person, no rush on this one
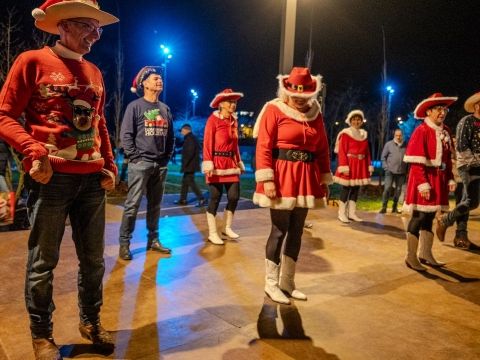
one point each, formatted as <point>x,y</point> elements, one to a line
<point>82,198</point>
<point>143,177</point>
<point>392,179</point>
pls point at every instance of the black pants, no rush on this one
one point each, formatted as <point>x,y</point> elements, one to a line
<point>216,191</point>
<point>286,224</point>
<point>420,221</point>
<point>188,181</point>
<point>349,193</point>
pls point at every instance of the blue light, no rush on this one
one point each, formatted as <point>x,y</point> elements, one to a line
<point>390,89</point>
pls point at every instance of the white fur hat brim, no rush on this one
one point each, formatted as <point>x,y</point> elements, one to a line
<point>471,101</point>
<point>354,113</point>
<point>283,91</point>
<point>48,21</point>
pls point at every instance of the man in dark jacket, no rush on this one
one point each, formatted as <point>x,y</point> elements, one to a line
<point>190,164</point>
<point>148,140</point>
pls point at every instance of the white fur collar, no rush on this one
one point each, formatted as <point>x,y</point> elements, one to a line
<point>432,125</point>
<point>220,116</point>
<point>359,135</point>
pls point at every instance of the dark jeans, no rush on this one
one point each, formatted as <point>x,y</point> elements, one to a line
<point>420,221</point>
<point>462,220</point>
<point>143,177</point>
<point>188,180</point>
<point>469,201</point>
<point>81,198</point>
<point>392,179</point>
<point>286,225</point>
<point>216,191</point>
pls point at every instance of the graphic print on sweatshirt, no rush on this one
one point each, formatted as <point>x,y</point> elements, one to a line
<point>70,108</point>
<point>155,124</point>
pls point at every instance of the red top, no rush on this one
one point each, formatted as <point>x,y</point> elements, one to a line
<point>63,100</point>
<point>220,150</point>
<point>297,183</point>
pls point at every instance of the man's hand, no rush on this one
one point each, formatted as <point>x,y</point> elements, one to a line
<point>41,170</point>
<point>326,190</point>
<point>107,180</point>
<point>269,189</point>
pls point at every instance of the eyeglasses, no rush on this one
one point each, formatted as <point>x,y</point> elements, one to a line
<point>440,108</point>
<point>88,27</point>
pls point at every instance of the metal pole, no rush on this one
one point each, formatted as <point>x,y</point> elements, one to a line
<point>164,95</point>
<point>287,40</point>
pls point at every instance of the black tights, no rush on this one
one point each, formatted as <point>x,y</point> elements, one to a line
<point>285,224</point>
<point>420,221</point>
<point>349,193</point>
<point>216,191</point>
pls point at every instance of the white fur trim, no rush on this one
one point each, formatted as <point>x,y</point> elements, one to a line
<point>326,178</point>
<point>38,14</point>
<point>133,90</point>
<point>223,172</point>
<point>282,91</point>
<point>409,208</point>
<point>226,96</point>
<point>343,168</point>
<point>423,187</point>
<point>356,134</point>
<point>264,175</point>
<point>220,116</point>
<point>288,203</point>
<point>296,115</point>
<point>353,113</point>
<point>81,102</point>
<point>241,165</point>
<point>207,165</point>
<point>432,101</point>
<point>351,182</point>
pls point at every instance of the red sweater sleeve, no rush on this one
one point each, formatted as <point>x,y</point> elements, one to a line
<point>343,150</point>
<point>267,136</point>
<point>14,97</point>
<point>208,144</point>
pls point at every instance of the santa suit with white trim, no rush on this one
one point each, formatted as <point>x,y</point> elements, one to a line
<point>282,129</point>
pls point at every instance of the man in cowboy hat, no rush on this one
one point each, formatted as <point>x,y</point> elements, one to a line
<point>468,165</point>
<point>68,160</point>
<point>148,140</point>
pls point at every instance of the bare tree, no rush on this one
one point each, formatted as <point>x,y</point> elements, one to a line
<point>10,30</point>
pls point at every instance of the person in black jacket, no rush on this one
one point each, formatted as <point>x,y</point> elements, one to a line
<point>190,165</point>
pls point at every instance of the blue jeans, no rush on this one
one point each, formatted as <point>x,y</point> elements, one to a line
<point>143,177</point>
<point>83,199</point>
<point>390,180</point>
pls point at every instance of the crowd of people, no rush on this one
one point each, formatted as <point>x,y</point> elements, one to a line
<point>69,166</point>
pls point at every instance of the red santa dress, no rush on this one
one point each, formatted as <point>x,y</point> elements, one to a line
<point>220,150</point>
<point>353,155</point>
<point>429,153</point>
<point>297,183</point>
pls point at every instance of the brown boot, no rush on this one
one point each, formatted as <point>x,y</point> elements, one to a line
<point>100,337</point>
<point>461,241</point>
<point>46,349</point>
<point>441,228</point>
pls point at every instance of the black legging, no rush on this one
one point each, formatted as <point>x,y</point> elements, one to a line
<point>287,223</point>
<point>420,221</point>
<point>216,191</point>
<point>349,193</point>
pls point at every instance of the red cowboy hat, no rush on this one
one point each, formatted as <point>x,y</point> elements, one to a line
<point>227,94</point>
<point>51,12</point>
<point>299,83</point>
<point>433,100</point>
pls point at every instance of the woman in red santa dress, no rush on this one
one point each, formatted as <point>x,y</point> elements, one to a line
<point>430,177</point>
<point>222,165</point>
<point>292,173</point>
<point>353,168</point>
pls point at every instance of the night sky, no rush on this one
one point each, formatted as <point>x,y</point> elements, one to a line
<point>431,46</point>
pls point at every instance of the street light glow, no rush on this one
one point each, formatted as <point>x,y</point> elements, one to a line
<point>390,89</point>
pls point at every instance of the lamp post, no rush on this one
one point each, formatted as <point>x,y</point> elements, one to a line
<point>287,42</point>
<point>194,99</point>
<point>390,91</point>
<point>166,59</point>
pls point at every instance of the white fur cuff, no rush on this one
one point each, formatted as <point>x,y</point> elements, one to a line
<point>207,166</point>
<point>423,187</point>
<point>264,175</point>
<point>343,169</point>
<point>241,165</point>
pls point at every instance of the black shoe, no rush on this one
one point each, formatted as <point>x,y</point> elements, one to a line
<point>202,203</point>
<point>180,202</point>
<point>99,337</point>
<point>124,252</point>
<point>383,211</point>
<point>156,245</point>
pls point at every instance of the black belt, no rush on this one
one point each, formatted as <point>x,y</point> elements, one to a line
<point>293,155</point>
<point>223,153</point>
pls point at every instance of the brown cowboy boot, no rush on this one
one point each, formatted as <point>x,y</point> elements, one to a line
<point>99,337</point>
<point>46,349</point>
<point>441,228</point>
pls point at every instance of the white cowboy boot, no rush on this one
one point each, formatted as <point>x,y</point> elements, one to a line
<point>412,260</point>
<point>342,212</point>
<point>352,209</point>
<point>212,230</point>
<point>425,254</point>
<point>287,278</point>
<point>272,272</point>
<point>227,230</point>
